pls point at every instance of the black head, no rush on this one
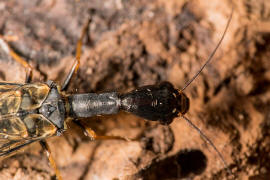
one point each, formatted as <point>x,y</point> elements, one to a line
<point>160,102</point>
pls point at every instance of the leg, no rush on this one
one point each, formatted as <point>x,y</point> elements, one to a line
<point>78,56</point>
<point>45,146</point>
<point>16,57</point>
<point>93,136</point>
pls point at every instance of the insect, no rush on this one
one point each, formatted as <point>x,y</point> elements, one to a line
<point>32,112</point>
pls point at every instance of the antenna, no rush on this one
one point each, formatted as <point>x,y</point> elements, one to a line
<point>211,55</point>
<point>192,79</point>
<point>208,141</point>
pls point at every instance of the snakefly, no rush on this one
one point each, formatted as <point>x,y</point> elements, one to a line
<point>31,112</point>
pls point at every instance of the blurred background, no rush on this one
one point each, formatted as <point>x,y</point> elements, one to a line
<point>131,43</point>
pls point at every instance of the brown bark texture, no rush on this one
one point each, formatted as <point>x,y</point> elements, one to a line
<point>131,43</point>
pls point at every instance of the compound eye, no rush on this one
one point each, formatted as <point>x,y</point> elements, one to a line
<point>184,103</point>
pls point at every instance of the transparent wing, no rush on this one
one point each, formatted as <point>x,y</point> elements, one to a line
<point>19,125</point>
<point>15,133</point>
<point>10,146</point>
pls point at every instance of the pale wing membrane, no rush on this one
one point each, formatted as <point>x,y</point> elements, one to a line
<point>8,147</point>
<point>19,124</point>
<point>11,126</point>
<point>16,133</point>
<point>13,134</point>
<point>12,147</point>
